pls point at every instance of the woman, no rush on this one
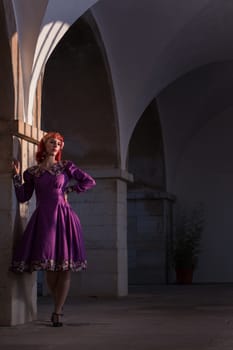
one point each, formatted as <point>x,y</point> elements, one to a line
<point>52,240</point>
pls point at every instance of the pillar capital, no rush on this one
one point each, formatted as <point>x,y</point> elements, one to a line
<point>111,173</point>
<point>150,194</point>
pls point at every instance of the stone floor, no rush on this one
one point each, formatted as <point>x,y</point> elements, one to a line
<point>190,317</point>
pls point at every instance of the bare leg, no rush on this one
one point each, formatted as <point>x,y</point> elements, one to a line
<point>59,285</point>
<point>52,278</point>
<point>62,290</point>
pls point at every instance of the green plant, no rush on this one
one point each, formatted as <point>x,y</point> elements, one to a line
<point>186,243</point>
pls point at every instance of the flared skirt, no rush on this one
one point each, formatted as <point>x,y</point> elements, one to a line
<point>52,240</point>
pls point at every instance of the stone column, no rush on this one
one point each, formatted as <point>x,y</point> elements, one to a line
<point>6,226</point>
<point>103,214</point>
<point>17,291</point>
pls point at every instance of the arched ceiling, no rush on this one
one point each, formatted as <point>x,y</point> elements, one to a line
<point>188,105</point>
<point>40,27</point>
<point>148,43</point>
<point>152,43</point>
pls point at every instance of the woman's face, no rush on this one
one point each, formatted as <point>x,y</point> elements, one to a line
<point>53,146</point>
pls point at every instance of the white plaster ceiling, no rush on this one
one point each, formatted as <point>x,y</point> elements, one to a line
<point>149,44</point>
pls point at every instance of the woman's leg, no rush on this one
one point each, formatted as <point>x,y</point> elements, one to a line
<point>62,290</point>
<point>52,278</point>
<point>59,285</point>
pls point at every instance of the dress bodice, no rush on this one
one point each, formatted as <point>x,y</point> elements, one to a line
<point>52,183</point>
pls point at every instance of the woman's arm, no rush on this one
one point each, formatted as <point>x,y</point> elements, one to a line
<point>23,191</point>
<point>84,180</point>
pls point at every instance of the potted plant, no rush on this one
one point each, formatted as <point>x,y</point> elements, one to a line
<point>186,245</point>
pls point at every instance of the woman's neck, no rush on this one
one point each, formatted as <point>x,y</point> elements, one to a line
<point>48,162</point>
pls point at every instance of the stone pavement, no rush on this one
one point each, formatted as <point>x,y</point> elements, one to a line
<point>194,317</point>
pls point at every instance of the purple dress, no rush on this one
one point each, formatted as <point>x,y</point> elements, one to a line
<point>53,237</point>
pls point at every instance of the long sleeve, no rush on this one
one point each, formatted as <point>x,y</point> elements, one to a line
<point>83,180</point>
<point>23,191</point>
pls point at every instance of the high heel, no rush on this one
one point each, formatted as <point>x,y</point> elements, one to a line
<point>55,319</point>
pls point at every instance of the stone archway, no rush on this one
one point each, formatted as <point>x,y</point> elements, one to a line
<point>78,98</point>
<point>149,206</point>
<point>78,101</point>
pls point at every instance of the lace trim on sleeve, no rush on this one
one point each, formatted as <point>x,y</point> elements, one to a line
<point>17,180</point>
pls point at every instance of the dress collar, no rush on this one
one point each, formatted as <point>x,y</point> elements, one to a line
<point>55,169</point>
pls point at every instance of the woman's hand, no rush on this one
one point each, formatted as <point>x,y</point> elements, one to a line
<point>15,167</point>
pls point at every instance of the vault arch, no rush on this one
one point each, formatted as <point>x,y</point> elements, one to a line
<point>78,99</point>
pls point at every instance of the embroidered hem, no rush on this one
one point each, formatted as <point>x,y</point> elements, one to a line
<point>48,265</point>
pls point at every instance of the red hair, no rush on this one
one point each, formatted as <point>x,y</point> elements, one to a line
<point>41,152</point>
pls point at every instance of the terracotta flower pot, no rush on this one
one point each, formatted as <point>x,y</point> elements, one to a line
<point>184,276</point>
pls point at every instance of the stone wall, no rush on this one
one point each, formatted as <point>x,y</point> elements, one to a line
<point>103,214</point>
<point>17,292</point>
<point>149,233</point>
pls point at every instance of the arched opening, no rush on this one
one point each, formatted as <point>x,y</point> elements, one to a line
<point>78,101</point>
<point>147,202</point>
<point>77,97</point>
<point>198,119</point>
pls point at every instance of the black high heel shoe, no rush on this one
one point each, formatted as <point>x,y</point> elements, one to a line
<point>55,319</point>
